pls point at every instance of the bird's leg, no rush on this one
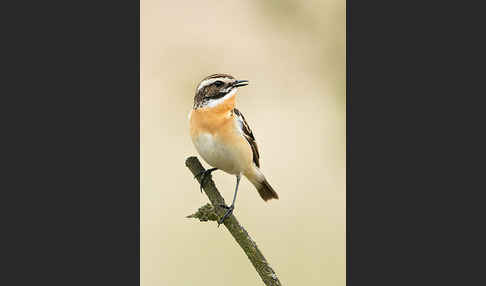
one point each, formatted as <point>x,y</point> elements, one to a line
<point>232,206</point>
<point>204,174</point>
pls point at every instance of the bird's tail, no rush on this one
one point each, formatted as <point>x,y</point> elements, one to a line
<point>256,177</point>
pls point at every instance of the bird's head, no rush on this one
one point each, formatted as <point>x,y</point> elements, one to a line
<point>216,89</point>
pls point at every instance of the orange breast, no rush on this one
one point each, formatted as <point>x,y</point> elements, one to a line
<point>213,120</point>
<point>218,140</point>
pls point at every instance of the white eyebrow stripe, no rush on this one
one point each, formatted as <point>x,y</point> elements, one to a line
<point>207,82</point>
<point>210,81</point>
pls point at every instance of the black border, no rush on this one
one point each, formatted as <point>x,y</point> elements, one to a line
<point>73,110</point>
<point>412,143</point>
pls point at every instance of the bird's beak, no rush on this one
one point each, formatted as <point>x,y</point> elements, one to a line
<point>240,83</point>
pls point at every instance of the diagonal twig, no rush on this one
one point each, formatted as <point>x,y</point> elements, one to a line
<point>214,212</point>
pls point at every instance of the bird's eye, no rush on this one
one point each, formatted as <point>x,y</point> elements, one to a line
<point>218,83</point>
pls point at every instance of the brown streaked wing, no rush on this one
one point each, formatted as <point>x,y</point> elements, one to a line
<point>248,136</point>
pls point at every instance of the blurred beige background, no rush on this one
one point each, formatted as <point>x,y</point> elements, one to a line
<point>293,54</point>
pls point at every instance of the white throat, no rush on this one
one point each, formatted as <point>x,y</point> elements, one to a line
<point>215,102</point>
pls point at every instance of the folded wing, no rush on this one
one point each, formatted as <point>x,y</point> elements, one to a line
<point>246,132</point>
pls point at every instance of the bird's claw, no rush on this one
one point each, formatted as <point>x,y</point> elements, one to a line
<point>204,174</point>
<point>227,214</point>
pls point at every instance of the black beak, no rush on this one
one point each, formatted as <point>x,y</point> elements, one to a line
<point>239,83</point>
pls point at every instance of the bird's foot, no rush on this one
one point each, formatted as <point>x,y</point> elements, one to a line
<point>227,214</point>
<point>204,174</point>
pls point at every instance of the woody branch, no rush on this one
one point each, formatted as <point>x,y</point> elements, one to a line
<point>213,211</point>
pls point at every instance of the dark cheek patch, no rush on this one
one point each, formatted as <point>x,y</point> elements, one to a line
<point>214,93</point>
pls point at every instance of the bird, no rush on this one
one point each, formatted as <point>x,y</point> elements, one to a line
<point>223,138</point>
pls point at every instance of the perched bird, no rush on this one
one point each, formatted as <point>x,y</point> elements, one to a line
<point>222,136</point>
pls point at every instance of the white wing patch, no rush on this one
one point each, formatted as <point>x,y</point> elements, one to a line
<point>246,132</point>
<point>239,123</point>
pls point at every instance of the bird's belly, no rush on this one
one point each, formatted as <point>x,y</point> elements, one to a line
<point>232,158</point>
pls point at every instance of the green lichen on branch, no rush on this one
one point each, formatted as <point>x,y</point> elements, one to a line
<point>214,212</point>
<point>205,213</point>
